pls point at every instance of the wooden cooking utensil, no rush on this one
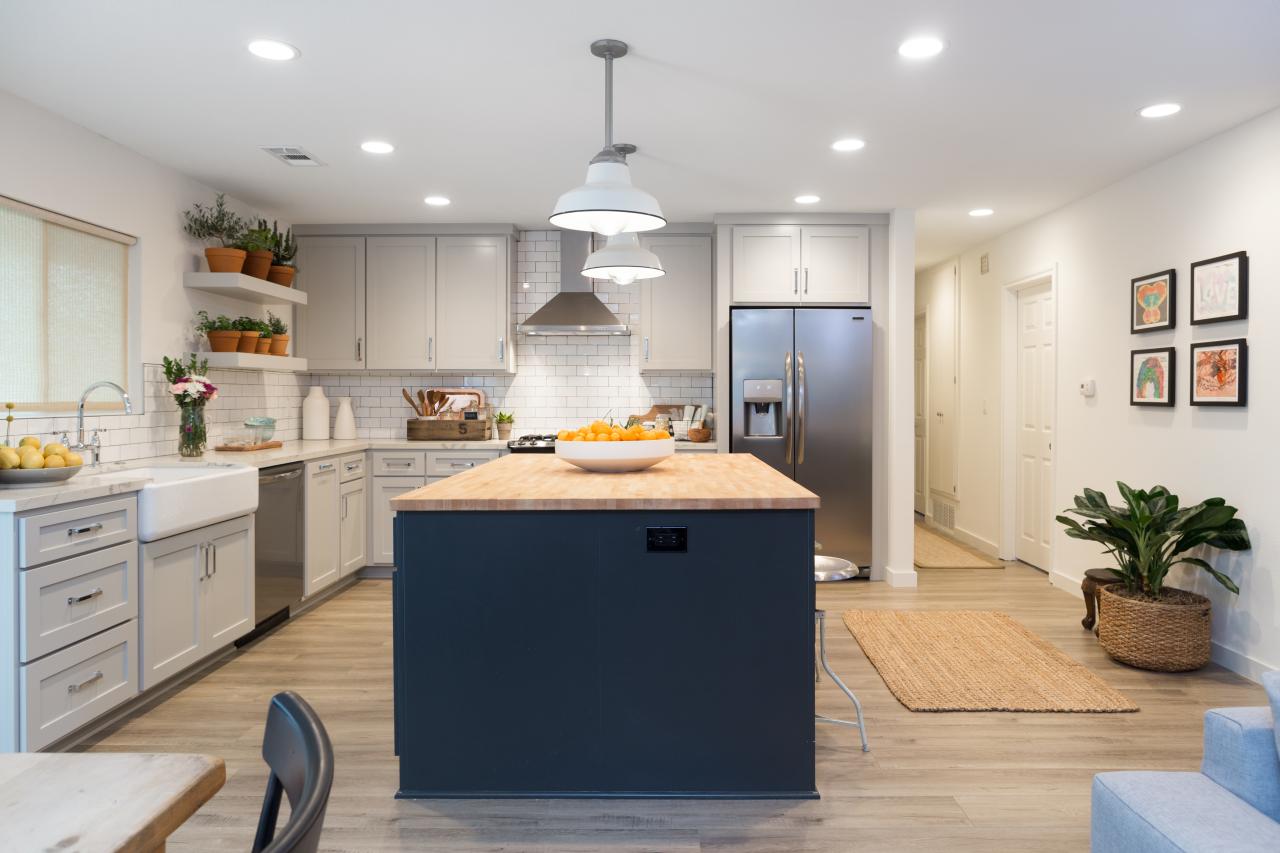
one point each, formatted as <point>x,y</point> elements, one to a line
<point>422,400</point>
<point>412,404</point>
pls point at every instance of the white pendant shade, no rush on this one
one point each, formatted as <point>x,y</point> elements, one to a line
<point>608,204</point>
<point>623,260</point>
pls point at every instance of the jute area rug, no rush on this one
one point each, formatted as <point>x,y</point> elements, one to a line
<point>938,552</point>
<point>975,660</point>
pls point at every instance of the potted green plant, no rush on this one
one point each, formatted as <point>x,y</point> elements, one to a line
<point>1143,622</point>
<point>285,249</point>
<point>258,245</point>
<point>264,338</point>
<point>279,335</point>
<point>221,331</point>
<point>504,421</point>
<point>249,333</point>
<point>217,223</point>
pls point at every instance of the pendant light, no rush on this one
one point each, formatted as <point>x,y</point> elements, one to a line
<point>607,203</point>
<point>623,260</point>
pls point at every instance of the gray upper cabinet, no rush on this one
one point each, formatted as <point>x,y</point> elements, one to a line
<point>401,301</point>
<point>473,303</point>
<point>676,324</point>
<point>331,328</point>
<point>798,264</point>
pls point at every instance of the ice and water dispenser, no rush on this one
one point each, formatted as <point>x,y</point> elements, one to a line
<point>762,399</point>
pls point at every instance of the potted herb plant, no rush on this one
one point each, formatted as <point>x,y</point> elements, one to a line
<point>505,421</point>
<point>249,333</point>
<point>264,338</point>
<point>279,335</point>
<point>218,223</point>
<point>285,249</point>
<point>1143,622</point>
<point>221,331</point>
<point>191,389</point>
<point>258,244</point>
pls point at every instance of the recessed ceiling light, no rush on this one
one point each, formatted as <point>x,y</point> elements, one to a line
<point>1159,110</point>
<point>436,200</point>
<point>920,47</point>
<point>981,211</point>
<point>850,144</point>
<point>807,199</point>
<point>275,50</point>
<point>373,146</point>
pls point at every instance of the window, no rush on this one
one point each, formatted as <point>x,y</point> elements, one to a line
<point>64,308</point>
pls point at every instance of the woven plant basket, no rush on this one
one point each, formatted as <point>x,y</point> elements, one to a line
<point>1164,636</point>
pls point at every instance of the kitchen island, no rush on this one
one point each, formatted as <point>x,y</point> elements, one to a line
<point>560,633</point>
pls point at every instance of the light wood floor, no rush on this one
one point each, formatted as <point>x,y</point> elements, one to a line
<point>943,781</point>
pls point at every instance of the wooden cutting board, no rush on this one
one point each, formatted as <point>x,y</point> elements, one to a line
<point>245,448</point>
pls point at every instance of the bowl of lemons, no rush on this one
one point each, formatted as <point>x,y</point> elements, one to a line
<point>30,464</point>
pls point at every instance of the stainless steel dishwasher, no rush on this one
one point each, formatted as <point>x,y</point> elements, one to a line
<point>279,580</point>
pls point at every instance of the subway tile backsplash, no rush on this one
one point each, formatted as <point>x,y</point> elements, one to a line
<point>560,381</point>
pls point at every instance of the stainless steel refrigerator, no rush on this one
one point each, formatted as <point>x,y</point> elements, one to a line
<point>801,401</point>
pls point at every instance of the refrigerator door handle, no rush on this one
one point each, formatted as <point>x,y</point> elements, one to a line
<point>802,403</point>
<point>786,404</point>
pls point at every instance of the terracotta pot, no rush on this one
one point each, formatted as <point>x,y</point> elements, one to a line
<point>504,431</point>
<point>225,260</point>
<point>223,341</point>
<point>1168,634</point>
<point>264,346</point>
<point>282,275</point>
<point>248,342</point>
<point>279,344</point>
<point>258,264</point>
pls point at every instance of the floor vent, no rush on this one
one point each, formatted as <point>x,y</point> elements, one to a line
<point>291,155</point>
<point>944,515</point>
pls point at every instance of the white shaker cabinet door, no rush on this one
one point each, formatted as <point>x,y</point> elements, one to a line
<point>331,331</point>
<point>676,324</point>
<point>400,293</point>
<point>766,264</point>
<point>172,589</point>
<point>320,550</point>
<point>382,517</point>
<point>473,304</point>
<point>835,264</point>
<point>353,533</point>
<point>228,614</point>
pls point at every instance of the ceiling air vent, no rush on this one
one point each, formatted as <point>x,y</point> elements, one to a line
<point>291,155</point>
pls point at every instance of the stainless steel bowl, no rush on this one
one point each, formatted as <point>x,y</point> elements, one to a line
<point>24,477</point>
<point>833,569</point>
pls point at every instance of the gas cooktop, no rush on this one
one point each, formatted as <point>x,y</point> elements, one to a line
<point>533,444</point>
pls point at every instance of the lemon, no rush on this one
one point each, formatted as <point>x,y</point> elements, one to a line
<point>53,460</point>
<point>51,449</point>
<point>9,458</point>
<point>74,460</point>
<point>29,441</point>
<point>32,460</point>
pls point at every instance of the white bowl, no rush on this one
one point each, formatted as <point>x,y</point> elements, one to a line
<point>20,477</point>
<point>614,457</point>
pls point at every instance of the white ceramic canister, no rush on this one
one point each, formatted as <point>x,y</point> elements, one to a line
<point>344,423</point>
<point>315,415</point>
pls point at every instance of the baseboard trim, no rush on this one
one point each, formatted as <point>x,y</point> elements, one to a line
<point>1240,663</point>
<point>1064,581</point>
<point>376,573</point>
<point>976,542</point>
<point>900,577</point>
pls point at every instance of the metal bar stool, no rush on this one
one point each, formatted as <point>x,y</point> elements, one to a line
<point>823,572</point>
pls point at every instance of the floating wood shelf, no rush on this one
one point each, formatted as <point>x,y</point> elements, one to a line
<point>253,361</point>
<point>244,287</point>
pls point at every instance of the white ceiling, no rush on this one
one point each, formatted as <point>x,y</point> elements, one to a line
<point>497,104</point>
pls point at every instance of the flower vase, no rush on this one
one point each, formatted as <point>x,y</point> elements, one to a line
<point>192,434</point>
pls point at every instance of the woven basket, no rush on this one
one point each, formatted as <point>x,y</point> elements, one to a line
<point>1156,635</point>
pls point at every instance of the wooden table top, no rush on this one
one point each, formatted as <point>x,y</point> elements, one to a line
<point>540,481</point>
<point>101,801</point>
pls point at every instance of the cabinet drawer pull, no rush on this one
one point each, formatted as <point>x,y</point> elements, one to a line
<point>502,349</point>
<point>795,279</point>
<point>78,531</point>
<point>325,466</point>
<point>407,464</point>
<point>81,599</point>
<point>462,464</point>
<point>76,688</point>
<point>351,466</point>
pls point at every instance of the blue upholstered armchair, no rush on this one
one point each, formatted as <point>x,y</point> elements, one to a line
<point>1231,806</point>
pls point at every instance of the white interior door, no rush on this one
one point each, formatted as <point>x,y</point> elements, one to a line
<point>1035,404</point>
<point>922,415</point>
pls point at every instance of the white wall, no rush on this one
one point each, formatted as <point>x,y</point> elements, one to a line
<point>1220,196</point>
<point>936,298</point>
<point>53,163</point>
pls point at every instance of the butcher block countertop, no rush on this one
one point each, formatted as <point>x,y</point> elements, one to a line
<point>538,482</point>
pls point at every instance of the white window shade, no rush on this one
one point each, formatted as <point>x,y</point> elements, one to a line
<point>64,318</point>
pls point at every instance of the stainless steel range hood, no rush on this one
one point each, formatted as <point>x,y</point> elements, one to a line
<point>575,310</point>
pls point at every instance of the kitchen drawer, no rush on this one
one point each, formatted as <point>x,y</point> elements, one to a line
<point>443,463</point>
<point>397,463</point>
<point>64,602</point>
<point>62,692</point>
<point>351,467</point>
<point>55,535</point>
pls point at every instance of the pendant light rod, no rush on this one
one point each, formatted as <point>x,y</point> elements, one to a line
<point>608,50</point>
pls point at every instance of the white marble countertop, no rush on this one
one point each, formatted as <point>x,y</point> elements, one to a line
<point>82,487</point>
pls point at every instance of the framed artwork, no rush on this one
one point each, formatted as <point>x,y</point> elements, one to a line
<point>1151,377</point>
<point>1220,289</point>
<point>1220,373</point>
<point>1151,302</point>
